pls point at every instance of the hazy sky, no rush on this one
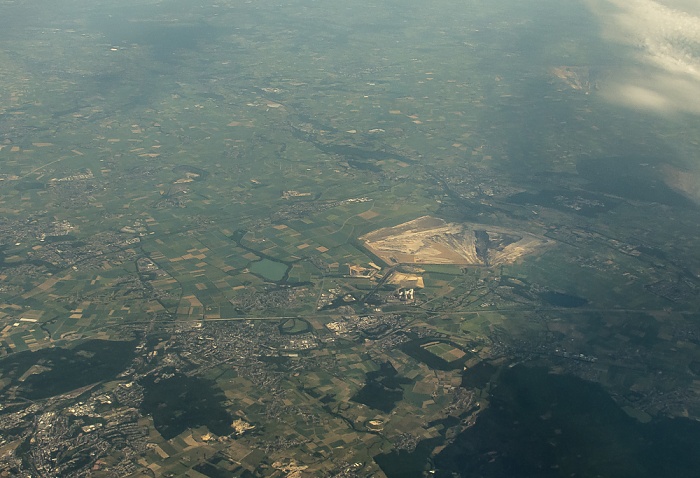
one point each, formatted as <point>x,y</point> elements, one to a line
<point>663,40</point>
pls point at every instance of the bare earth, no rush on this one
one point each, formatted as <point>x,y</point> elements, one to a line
<point>429,240</point>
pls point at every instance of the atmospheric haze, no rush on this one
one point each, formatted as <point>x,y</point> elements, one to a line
<point>660,68</point>
<point>349,238</point>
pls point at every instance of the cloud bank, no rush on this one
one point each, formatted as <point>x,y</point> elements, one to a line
<point>662,71</point>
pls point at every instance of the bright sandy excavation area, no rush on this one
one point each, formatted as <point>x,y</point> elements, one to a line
<point>430,240</point>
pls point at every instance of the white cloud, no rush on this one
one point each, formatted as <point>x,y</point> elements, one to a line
<point>662,72</point>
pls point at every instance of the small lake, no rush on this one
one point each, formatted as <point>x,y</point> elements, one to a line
<point>270,270</point>
<point>559,299</point>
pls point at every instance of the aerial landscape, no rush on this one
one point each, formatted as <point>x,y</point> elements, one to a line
<point>349,239</point>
